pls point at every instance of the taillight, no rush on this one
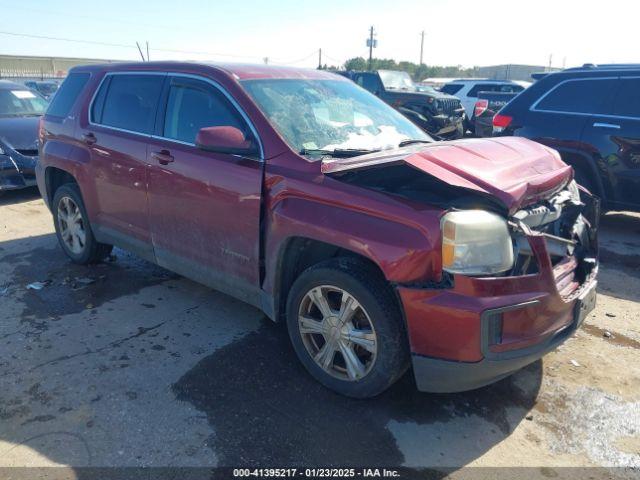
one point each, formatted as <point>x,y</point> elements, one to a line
<point>500,122</point>
<point>480,107</point>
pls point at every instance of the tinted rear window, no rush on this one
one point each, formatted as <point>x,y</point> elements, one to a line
<point>66,96</point>
<point>451,88</point>
<point>627,102</point>
<point>494,87</point>
<point>579,96</point>
<point>130,102</point>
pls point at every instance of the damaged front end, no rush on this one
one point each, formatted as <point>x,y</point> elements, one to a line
<point>518,253</point>
<point>567,224</point>
<point>17,167</point>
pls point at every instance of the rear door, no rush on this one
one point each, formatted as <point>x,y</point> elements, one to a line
<point>121,121</point>
<point>616,135</point>
<point>204,207</point>
<point>559,116</point>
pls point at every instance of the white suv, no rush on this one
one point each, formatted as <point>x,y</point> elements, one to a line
<point>467,90</point>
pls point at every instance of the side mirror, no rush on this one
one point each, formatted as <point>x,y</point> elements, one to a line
<point>225,139</point>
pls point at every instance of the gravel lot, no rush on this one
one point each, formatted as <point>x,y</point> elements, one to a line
<point>126,364</point>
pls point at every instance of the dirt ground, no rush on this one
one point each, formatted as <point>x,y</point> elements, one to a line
<point>126,364</point>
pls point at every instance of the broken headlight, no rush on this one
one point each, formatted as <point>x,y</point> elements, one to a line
<point>475,242</point>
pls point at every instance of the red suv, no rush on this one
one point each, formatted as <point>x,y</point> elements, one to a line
<point>302,194</point>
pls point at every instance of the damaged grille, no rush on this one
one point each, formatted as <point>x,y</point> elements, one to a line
<point>568,223</point>
<point>449,105</point>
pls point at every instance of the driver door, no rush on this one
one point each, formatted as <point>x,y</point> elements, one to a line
<point>204,207</point>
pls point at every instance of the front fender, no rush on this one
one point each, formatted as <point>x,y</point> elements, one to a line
<point>404,253</point>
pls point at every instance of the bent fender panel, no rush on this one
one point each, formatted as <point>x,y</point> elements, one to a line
<point>403,253</point>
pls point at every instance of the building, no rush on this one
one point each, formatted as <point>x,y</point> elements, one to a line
<point>14,66</point>
<point>511,71</point>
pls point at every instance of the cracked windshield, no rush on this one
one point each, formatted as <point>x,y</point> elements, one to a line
<point>328,115</point>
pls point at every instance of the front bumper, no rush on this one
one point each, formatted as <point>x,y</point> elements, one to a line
<point>473,331</point>
<point>446,125</point>
<point>447,376</point>
<point>17,171</point>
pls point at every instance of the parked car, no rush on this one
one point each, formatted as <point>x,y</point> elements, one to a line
<point>591,115</point>
<point>438,114</point>
<point>376,247</point>
<point>20,111</point>
<point>46,88</point>
<point>486,107</point>
<point>467,90</point>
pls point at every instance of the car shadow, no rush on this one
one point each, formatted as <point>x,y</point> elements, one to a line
<point>22,195</point>
<point>257,403</point>
<point>619,239</point>
<point>267,411</point>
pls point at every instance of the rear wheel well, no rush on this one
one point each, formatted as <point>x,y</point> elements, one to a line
<point>300,253</point>
<point>54,179</point>
<point>587,169</point>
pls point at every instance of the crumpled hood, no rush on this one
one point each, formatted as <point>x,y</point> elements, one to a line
<point>19,133</point>
<point>514,170</point>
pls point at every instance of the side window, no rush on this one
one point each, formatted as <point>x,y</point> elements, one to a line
<point>359,80</point>
<point>579,96</point>
<point>192,105</point>
<point>66,96</point>
<point>130,102</point>
<point>627,102</point>
<point>370,82</point>
<point>451,88</point>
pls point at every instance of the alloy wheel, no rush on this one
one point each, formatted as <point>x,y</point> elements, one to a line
<point>337,332</point>
<point>71,225</point>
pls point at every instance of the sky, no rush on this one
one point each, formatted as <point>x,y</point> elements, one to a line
<point>289,32</point>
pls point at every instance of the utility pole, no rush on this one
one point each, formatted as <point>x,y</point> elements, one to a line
<point>140,50</point>
<point>550,60</point>
<point>147,50</point>
<point>319,59</point>
<point>421,45</point>
<point>371,43</point>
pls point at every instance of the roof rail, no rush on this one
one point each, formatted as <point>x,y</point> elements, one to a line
<point>605,66</point>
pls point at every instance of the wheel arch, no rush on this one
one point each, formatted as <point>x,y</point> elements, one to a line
<point>580,160</point>
<point>296,254</point>
<point>54,178</point>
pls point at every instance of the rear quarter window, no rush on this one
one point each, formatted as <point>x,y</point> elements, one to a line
<point>579,96</point>
<point>627,102</point>
<point>67,94</point>
<point>451,88</point>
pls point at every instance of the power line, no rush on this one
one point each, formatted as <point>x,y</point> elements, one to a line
<point>120,45</point>
<point>74,40</point>
<point>296,61</point>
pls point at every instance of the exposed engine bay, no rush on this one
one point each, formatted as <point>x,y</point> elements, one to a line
<point>567,220</point>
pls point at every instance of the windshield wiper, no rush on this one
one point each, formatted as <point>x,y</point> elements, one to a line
<point>338,152</point>
<point>404,143</point>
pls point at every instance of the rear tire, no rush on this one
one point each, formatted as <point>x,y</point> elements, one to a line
<point>353,341</point>
<point>73,229</point>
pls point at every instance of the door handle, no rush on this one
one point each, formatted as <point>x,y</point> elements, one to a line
<point>606,125</point>
<point>89,138</point>
<point>163,157</point>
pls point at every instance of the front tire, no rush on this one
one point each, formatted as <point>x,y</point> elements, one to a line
<point>346,328</point>
<point>73,229</point>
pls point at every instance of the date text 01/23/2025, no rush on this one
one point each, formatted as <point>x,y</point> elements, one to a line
<point>316,472</point>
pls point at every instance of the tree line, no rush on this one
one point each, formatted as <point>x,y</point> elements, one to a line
<point>417,72</point>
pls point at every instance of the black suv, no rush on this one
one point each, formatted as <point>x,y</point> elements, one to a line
<point>591,115</point>
<point>439,114</point>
